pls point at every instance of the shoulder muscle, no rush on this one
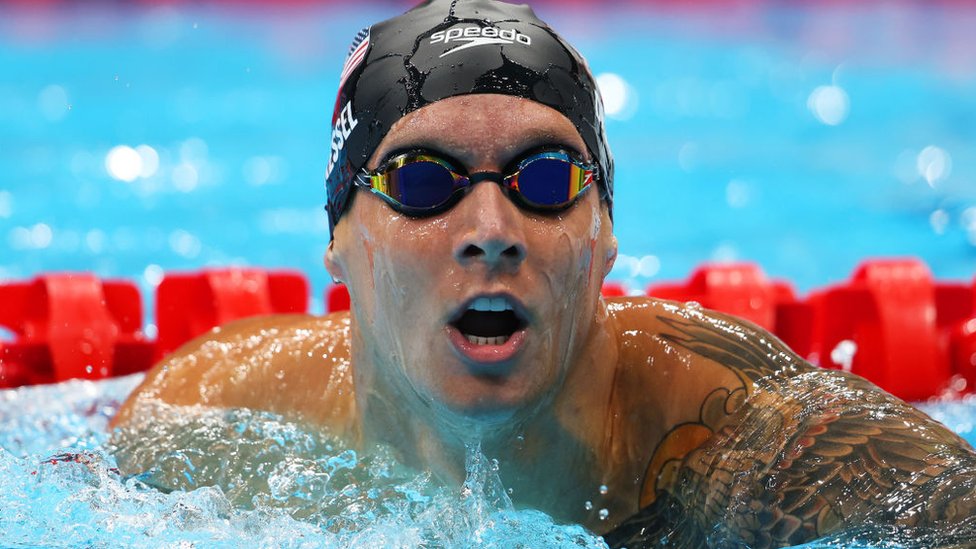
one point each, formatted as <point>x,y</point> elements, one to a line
<point>284,364</point>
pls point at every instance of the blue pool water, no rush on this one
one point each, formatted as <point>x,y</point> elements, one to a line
<point>804,138</point>
<point>140,140</point>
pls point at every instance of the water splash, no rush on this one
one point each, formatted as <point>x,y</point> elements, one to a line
<point>220,478</point>
<point>279,484</point>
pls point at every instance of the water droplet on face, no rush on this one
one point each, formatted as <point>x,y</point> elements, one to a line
<point>588,506</point>
<point>603,489</point>
<point>604,514</point>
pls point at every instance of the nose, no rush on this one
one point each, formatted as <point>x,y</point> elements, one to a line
<point>493,233</point>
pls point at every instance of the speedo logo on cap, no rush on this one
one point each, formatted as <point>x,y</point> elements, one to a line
<point>473,36</point>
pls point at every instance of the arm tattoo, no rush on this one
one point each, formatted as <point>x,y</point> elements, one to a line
<point>793,454</point>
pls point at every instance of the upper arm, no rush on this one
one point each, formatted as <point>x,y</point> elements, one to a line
<point>822,454</point>
<point>802,453</point>
<point>718,362</point>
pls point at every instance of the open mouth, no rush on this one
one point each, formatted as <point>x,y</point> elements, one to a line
<point>489,321</point>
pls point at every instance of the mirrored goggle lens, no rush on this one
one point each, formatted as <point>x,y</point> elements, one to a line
<point>418,183</point>
<point>423,184</point>
<point>551,181</point>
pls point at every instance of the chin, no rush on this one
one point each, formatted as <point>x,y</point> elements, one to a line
<point>488,401</point>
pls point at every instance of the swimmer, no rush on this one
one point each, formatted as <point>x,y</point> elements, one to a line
<point>470,194</point>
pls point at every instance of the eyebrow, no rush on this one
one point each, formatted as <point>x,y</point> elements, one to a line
<point>438,149</point>
<point>436,152</point>
<point>432,151</point>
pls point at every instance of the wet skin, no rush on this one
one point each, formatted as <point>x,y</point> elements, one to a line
<point>645,397</point>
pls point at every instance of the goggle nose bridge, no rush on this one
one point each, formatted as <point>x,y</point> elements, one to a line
<point>478,177</point>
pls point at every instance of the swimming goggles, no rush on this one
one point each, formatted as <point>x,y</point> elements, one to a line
<point>420,184</point>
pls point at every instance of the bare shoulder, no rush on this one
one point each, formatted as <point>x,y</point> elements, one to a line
<point>703,335</point>
<point>691,370</point>
<point>295,365</point>
<point>684,356</point>
<point>783,440</point>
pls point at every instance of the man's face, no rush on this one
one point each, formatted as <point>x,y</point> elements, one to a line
<point>420,287</point>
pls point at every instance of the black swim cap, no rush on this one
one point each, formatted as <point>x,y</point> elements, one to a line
<point>445,48</point>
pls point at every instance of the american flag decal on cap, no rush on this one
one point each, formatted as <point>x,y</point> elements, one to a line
<point>357,52</point>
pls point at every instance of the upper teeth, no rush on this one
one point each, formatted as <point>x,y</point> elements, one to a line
<point>491,304</point>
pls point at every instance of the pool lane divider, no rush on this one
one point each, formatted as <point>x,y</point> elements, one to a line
<point>191,304</point>
<point>75,326</point>
<point>71,326</point>
<point>890,322</point>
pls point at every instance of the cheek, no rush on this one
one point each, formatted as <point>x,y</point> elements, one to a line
<point>570,250</point>
<point>393,266</point>
<point>569,268</point>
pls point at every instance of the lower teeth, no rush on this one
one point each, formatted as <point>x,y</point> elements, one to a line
<point>500,340</point>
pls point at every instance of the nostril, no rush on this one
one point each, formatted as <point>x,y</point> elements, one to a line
<point>471,251</point>
<point>492,252</point>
